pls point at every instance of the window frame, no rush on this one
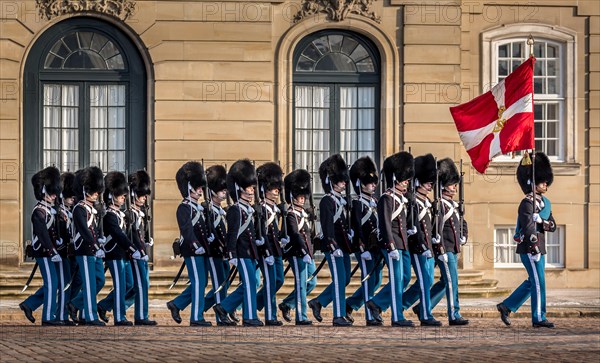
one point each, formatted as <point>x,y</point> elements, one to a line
<point>560,233</point>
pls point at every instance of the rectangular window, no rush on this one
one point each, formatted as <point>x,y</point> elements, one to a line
<point>107,126</point>
<point>61,126</point>
<point>505,248</point>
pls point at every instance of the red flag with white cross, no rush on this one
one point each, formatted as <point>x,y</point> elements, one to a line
<point>500,120</point>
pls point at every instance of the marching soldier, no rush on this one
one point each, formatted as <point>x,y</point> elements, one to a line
<point>336,239</point>
<point>451,240</point>
<point>241,244</point>
<point>419,244</point>
<point>45,240</point>
<point>118,249</point>
<point>398,170</point>
<point>69,280</point>
<point>530,236</point>
<point>88,241</point>
<point>139,183</point>
<point>270,183</point>
<point>364,178</point>
<point>194,241</point>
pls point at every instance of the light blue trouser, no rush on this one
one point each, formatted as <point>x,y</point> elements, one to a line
<point>141,284</point>
<point>291,300</point>
<point>423,268</point>
<point>268,292</point>
<point>391,294</point>
<point>260,295</point>
<point>448,284</point>
<point>218,268</point>
<point>370,285</point>
<point>91,270</point>
<point>76,284</point>
<point>336,291</point>
<point>194,293</point>
<point>534,287</point>
<point>63,275</point>
<point>300,270</point>
<point>122,277</point>
<point>46,295</point>
<point>245,294</point>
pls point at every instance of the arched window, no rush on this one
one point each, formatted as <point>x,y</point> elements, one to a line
<point>85,102</point>
<point>336,99</point>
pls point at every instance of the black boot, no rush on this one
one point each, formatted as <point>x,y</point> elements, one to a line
<point>316,307</point>
<point>504,313</point>
<point>349,312</point>
<point>102,314</point>
<point>304,322</point>
<point>233,316</point>
<point>124,322</point>
<point>431,322</point>
<point>285,312</point>
<point>200,323</point>
<point>543,324</point>
<point>72,312</point>
<point>68,323</point>
<point>375,310</point>
<point>95,323</point>
<point>459,321</point>
<point>146,322</point>
<point>374,323</point>
<point>273,323</point>
<point>28,312</point>
<point>174,312</point>
<point>53,323</point>
<point>403,323</point>
<point>222,315</point>
<point>341,321</point>
<point>252,323</point>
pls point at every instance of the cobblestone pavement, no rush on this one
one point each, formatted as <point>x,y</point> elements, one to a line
<point>576,339</point>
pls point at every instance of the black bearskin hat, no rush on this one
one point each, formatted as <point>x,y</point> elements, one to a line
<point>91,179</point>
<point>270,176</point>
<point>297,183</point>
<point>139,182</point>
<point>215,178</point>
<point>448,172</point>
<point>363,171</point>
<point>49,179</point>
<point>400,166</point>
<point>332,171</point>
<point>67,185</point>
<point>116,184</point>
<point>242,174</point>
<point>425,169</point>
<point>543,172</point>
<point>192,173</point>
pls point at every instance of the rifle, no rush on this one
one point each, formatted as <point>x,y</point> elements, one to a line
<point>258,209</point>
<point>147,220</point>
<point>313,231</point>
<point>414,211</point>
<point>461,199</point>
<point>209,214</point>
<point>438,225</point>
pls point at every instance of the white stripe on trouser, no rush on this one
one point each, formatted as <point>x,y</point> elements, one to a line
<point>422,287</point>
<point>216,282</point>
<point>196,288</point>
<point>366,287</point>
<point>267,303</point>
<point>450,291</point>
<point>88,289</point>
<point>298,293</point>
<point>248,292</point>
<point>393,284</point>
<point>49,289</point>
<point>538,307</point>
<point>117,301</point>
<point>337,288</point>
<point>62,292</point>
<point>140,289</point>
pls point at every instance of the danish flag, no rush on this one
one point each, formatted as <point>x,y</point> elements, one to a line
<point>500,120</point>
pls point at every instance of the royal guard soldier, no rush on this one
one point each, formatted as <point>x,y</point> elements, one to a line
<point>398,170</point>
<point>532,224</point>
<point>194,240</point>
<point>454,235</point>
<point>88,241</point>
<point>118,248</point>
<point>270,183</point>
<point>337,237</point>
<point>364,179</point>
<point>242,244</point>
<point>420,243</point>
<point>139,214</point>
<point>44,244</point>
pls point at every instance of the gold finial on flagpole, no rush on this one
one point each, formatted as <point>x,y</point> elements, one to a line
<point>526,160</point>
<point>530,42</point>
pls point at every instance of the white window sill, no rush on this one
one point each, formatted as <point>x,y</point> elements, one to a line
<point>510,167</point>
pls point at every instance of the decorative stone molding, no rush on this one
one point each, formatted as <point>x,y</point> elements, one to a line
<point>49,9</point>
<point>337,10</point>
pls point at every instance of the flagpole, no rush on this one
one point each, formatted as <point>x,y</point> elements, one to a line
<point>530,43</point>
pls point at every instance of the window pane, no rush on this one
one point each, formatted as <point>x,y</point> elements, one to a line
<point>320,97</point>
<point>552,51</point>
<point>98,139</point>
<point>116,95</point>
<point>366,97</point>
<point>304,64</point>
<point>359,53</point>
<point>322,44</point>
<point>52,94</point>
<point>551,69</point>
<point>538,69</point>
<point>98,117</point>
<point>321,140</point>
<point>311,52</point>
<point>517,49</point>
<point>538,85</point>
<point>503,51</point>
<point>303,96</point>
<point>51,116</point>
<point>70,160</point>
<point>552,86</point>
<point>335,62</point>
<point>366,140</point>
<point>69,117</point>
<point>116,117</point>
<point>503,68</point>
<point>365,65</point>
<point>70,139</point>
<point>303,118</point>
<point>321,119</point>
<point>336,42</point>
<point>366,119</point>
<point>116,160</point>
<point>348,96</point>
<point>52,139</point>
<point>51,158</point>
<point>348,119</point>
<point>116,139</point>
<point>552,111</point>
<point>349,45</point>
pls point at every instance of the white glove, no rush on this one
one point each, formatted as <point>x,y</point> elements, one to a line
<point>427,254</point>
<point>366,256</point>
<point>100,253</point>
<point>537,218</point>
<point>306,259</point>
<point>443,258</point>
<point>200,251</point>
<point>59,242</point>
<point>56,258</point>
<point>395,255</point>
<point>350,235</point>
<point>150,243</point>
<point>437,239</point>
<point>136,255</point>
<point>260,242</point>
<point>233,262</point>
<point>284,241</point>
<point>534,258</point>
<point>211,238</point>
<point>102,241</point>
<point>338,253</point>
<point>145,258</point>
<point>463,240</point>
<point>411,231</point>
<point>270,260</point>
